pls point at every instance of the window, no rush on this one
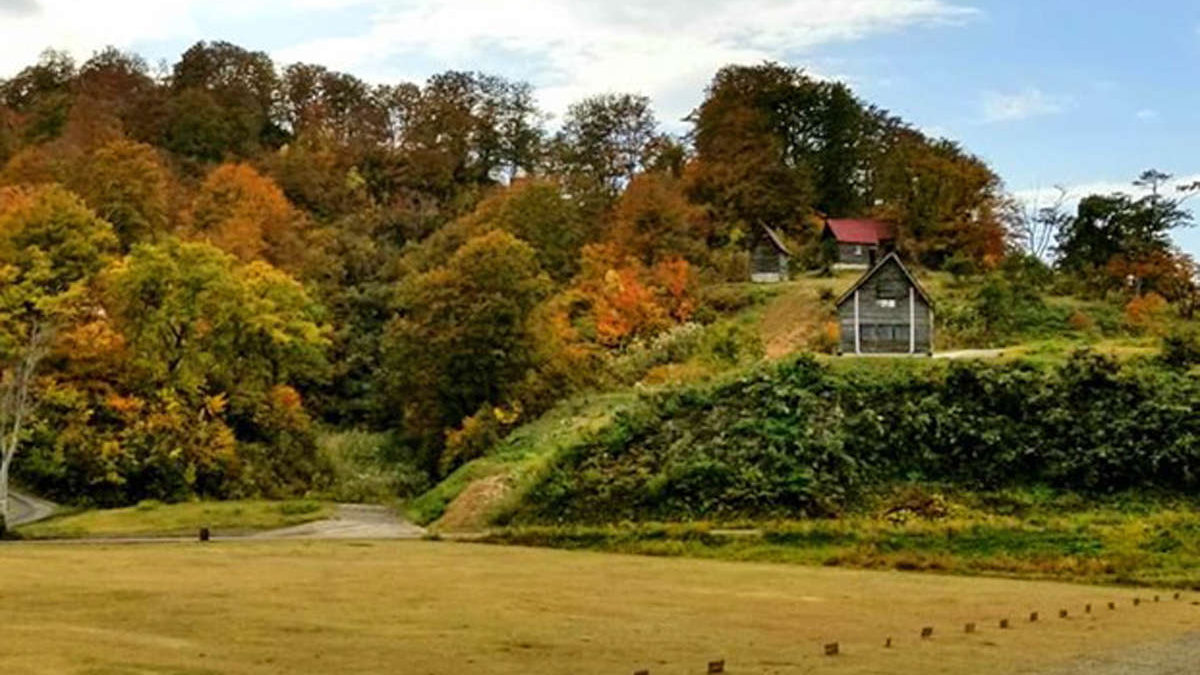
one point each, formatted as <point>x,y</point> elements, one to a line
<point>858,250</point>
<point>888,303</point>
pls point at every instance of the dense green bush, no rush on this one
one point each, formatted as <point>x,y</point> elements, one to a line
<point>804,440</point>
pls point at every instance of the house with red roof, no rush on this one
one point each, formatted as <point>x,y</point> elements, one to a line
<point>859,242</point>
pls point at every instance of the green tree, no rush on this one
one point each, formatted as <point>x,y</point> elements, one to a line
<point>461,336</point>
<point>127,185</point>
<point>605,141</point>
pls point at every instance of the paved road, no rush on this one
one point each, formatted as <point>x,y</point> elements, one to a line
<point>23,509</point>
<point>1174,657</point>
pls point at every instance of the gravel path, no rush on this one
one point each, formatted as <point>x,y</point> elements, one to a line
<point>1175,657</point>
<point>23,509</point>
<point>353,521</point>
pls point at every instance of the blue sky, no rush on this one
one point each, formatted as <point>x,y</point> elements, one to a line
<point>1056,92</point>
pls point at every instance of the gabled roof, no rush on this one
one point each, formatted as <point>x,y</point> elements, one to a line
<point>871,272</point>
<point>775,240</point>
<point>860,231</point>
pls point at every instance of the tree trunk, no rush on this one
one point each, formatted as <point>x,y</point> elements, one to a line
<point>4,464</point>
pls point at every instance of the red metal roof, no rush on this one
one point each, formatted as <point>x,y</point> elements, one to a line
<point>856,231</point>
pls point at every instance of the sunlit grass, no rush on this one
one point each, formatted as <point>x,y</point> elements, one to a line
<point>153,519</point>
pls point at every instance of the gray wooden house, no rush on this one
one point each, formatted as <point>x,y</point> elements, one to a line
<point>768,257</point>
<point>886,312</point>
<point>857,243</point>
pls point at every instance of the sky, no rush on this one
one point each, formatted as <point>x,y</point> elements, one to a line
<point>1082,94</point>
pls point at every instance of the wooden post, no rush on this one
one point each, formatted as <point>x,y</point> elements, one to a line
<point>857,326</point>
<point>205,535</point>
<point>1004,623</point>
<point>912,320</point>
<point>716,666</point>
<point>969,628</point>
<point>831,649</point>
<point>927,632</point>
<point>1033,616</point>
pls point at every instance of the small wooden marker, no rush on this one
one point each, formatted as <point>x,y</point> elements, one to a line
<point>1112,605</point>
<point>927,632</point>
<point>1004,623</point>
<point>641,672</point>
<point>1033,616</point>
<point>1156,598</point>
<point>1176,596</point>
<point>887,644</point>
<point>1087,609</point>
<point>205,535</point>
<point>716,666</point>
<point>969,628</point>
<point>1062,613</point>
<point>831,649</point>
<point>1137,601</point>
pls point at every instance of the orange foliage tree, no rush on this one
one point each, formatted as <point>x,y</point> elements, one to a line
<point>244,213</point>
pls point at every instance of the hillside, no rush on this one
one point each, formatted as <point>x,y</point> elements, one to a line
<point>785,319</point>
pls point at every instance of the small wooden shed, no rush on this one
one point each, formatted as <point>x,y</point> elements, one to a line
<point>768,257</point>
<point>886,312</point>
<point>859,242</point>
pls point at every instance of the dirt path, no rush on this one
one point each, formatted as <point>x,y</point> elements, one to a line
<point>970,354</point>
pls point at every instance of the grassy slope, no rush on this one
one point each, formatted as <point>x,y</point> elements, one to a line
<point>517,461</point>
<point>423,607</point>
<point>152,519</point>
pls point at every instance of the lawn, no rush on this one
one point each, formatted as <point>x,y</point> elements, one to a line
<point>154,519</point>
<point>430,607</point>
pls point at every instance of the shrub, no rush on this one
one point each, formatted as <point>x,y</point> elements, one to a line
<point>1181,347</point>
<point>803,440</point>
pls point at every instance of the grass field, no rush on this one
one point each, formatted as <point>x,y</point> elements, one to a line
<point>427,607</point>
<point>153,519</point>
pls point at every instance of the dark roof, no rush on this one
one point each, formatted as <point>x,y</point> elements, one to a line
<point>860,231</point>
<point>871,272</point>
<point>775,240</point>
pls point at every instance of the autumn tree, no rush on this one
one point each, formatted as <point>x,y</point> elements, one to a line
<point>244,213</point>
<point>653,221</point>
<point>50,243</point>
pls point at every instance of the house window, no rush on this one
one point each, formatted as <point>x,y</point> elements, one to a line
<point>887,303</point>
<point>858,250</point>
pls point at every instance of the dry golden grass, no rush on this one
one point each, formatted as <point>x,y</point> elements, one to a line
<point>424,607</point>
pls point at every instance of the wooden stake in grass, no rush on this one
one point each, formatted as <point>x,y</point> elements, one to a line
<point>1033,616</point>
<point>927,632</point>
<point>1176,596</point>
<point>1137,601</point>
<point>1112,605</point>
<point>205,535</point>
<point>716,666</point>
<point>1062,613</point>
<point>887,644</point>
<point>1087,609</point>
<point>1004,623</point>
<point>969,628</point>
<point>1156,598</point>
<point>831,649</point>
<point>641,672</point>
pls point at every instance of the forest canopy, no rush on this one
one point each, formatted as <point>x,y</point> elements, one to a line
<point>233,252</point>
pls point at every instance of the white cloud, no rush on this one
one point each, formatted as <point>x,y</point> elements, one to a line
<point>1146,115</point>
<point>567,48</point>
<point>1030,102</point>
<point>1046,196</point>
